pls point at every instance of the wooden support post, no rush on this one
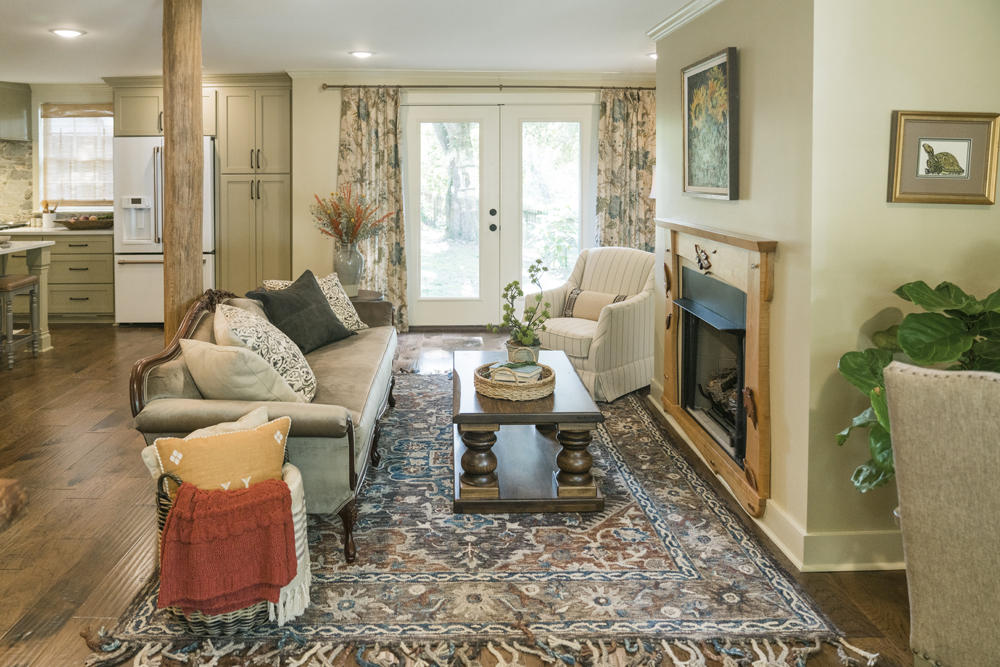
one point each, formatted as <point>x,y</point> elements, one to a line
<point>183,161</point>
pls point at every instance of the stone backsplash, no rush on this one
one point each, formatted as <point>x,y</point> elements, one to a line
<point>15,180</point>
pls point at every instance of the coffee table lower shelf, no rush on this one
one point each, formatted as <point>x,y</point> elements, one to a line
<point>526,473</point>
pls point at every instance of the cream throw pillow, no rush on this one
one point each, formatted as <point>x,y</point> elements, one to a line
<point>234,374</point>
<point>588,305</point>
<point>250,420</point>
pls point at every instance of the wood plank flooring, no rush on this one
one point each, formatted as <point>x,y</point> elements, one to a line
<point>86,541</point>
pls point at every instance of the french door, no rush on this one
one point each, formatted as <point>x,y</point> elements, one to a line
<point>488,190</point>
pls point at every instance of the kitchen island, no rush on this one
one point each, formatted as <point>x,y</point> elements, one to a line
<point>38,257</point>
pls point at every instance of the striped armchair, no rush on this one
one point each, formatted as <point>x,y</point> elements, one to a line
<point>613,355</point>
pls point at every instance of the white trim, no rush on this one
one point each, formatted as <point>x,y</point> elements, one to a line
<point>682,16</point>
<point>470,78</point>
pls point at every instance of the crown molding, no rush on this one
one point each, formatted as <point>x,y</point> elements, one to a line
<point>270,79</point>
<point>682,16</point>
<point>336,77</point>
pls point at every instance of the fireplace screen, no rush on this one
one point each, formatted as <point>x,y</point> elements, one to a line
<point>713,338</point>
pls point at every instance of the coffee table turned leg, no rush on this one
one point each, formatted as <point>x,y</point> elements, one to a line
<point>479,464</point>
<point>574,461</point>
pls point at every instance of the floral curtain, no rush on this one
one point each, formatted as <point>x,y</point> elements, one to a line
<point>369,161</point>
<point>626,153</point>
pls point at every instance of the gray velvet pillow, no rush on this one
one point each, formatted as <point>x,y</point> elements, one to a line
<point>302,313</point>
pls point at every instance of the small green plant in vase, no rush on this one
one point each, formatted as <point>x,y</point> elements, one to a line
<point>524,333</point>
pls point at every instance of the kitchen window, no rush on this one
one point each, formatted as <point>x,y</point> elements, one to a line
<point>76,154</point>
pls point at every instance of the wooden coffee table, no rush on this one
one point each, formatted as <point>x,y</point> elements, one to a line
<point>523,456</point>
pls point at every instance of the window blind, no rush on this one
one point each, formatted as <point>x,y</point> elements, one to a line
<point>76,154</point>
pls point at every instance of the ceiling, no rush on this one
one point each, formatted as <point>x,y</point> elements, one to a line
<point>124,36</point>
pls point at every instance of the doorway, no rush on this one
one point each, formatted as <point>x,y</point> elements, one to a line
<point>489,189</point>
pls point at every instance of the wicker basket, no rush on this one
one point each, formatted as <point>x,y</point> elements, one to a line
<point>483,377</point>
<point>222,625</point>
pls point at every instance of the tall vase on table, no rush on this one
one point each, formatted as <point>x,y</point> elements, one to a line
<point>349,265</point>
<point>348,218</point>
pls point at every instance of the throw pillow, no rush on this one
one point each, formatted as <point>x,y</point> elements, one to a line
<point>250,420</point>
<point>234,374</point>
<point>235,460</point>
<point>242,328</point>
<point>588,305</point>
<point>335,294</point>
<point>302,312</point>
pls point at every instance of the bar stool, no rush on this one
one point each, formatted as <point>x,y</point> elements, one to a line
<point>11,286</point>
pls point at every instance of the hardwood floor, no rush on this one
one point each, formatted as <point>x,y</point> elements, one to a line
<point>87,539</point>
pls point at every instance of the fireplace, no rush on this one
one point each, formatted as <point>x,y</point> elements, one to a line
<point>716,386</point>
<point>713,340</point>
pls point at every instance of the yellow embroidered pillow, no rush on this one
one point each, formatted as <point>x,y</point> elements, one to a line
<point>234,460</point>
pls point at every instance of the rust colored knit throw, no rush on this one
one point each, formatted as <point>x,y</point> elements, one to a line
<point>226,550</point>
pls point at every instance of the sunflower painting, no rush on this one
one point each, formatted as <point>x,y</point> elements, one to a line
<point>711,127</point>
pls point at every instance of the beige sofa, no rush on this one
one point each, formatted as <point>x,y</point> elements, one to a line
<point>333,439</point>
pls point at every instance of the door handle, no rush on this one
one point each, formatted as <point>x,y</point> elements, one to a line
<point>251,190</point>
<point>79,298</point>
<point>251,158</point>
<point>493,228</point>
<point>258,190</point>
<point>159,122</point>
<point>79,245</point>
<point>79,269</point>
<point>258,158</point>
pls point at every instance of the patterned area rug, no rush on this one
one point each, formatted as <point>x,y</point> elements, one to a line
<point>665,560</point>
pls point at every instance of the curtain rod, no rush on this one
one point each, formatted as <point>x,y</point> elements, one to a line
<point>327,86</point>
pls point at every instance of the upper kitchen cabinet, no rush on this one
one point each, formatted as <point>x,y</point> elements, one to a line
<point>15,111</point>
<point>255,130</point>
<point>139,111</point>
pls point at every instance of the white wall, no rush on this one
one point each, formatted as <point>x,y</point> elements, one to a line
<point>871,58</point>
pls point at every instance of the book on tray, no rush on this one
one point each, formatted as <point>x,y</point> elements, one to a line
<point>524,372</point>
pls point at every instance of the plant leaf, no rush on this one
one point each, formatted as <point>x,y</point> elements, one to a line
<point>946,296</point>
<point>864,369</point>
<point>869,476</point>
<point>880,444</point>
<point>866,419</point>
<point>931,338</point>
<point>880,407</point>
<point>992,302</point>
<point>988,325</point>
<point>887,340</point>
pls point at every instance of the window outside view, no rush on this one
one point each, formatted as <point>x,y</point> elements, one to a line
<point>550,199</point>
<point>449,210</point>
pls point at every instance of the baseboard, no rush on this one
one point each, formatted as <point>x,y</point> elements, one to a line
<point>814,552</point>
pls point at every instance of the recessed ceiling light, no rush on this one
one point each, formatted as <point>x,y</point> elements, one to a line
<point>362,54</point>
<point>652,55</point>
<point>68,33</point>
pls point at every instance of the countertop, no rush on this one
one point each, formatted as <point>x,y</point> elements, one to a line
<point>16,246</point>
<point>55,231</point>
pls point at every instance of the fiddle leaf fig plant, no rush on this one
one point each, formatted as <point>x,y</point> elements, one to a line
<point>524,332</point>
<point>957,329</point>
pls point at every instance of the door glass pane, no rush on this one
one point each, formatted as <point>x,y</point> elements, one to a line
<point>550,199</point>
<point>449,210</point>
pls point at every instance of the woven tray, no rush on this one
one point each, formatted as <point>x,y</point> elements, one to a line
<point>236,622</point>
<point>517,391</point>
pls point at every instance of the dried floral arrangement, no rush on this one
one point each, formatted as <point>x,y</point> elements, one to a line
<point>347,217</point>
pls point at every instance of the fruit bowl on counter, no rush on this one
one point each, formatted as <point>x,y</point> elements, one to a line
<point>84,222</point>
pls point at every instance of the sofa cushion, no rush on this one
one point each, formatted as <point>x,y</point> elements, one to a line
<point>346,370</point>
<point>569,334</point>
<point>242,328</point>
<point>587,305</point>
<point>232,373</point>
<point>302,312</point>
<point>234,460</point>
<point>335,295</point>
<point>171,380</point>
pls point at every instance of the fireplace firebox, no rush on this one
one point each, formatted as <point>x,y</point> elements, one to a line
<point>713,340</point>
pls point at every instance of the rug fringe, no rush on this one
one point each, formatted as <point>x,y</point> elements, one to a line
<point>293,651</point>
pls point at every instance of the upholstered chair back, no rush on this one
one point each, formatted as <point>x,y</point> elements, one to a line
<point>613,270</point>
<point>946,448</point>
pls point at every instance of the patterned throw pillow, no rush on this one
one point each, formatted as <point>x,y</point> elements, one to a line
<point>234,326</point>
<point>335,294</point>
<point>230,461</point>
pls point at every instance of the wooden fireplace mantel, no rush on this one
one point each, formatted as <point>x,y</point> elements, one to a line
<point>745,262</point>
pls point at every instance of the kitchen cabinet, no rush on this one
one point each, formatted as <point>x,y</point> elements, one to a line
<point>139,112</point>
<point>15,111</point>
<point>254,131</point>
<point>81,275</point>
<point>255,240</point>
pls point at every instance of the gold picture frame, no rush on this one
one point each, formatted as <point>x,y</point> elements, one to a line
<point>711,125</point>
<point>943,157</point>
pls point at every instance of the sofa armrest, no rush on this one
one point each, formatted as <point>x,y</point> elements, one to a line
<point>625,331</point>
<point>183,415</point>
<point>376,313</point>
<point>556,297</point>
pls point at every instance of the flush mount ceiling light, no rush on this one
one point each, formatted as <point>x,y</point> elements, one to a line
<point>67,32</point>
<point>652,55</point>
<point>362,54</point>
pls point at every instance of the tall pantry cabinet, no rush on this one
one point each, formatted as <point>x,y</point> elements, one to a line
<point>255,225</point>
